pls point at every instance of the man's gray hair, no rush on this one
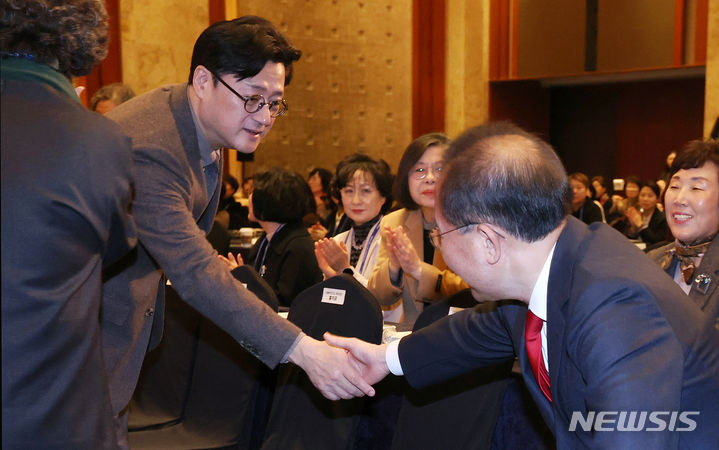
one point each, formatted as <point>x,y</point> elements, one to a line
<point>498,173</point>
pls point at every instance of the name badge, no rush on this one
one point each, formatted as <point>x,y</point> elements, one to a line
<point>334,296</point>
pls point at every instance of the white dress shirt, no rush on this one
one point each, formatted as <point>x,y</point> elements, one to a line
<point>537,304</point>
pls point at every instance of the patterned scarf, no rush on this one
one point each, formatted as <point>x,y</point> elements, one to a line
<point>687,256</point>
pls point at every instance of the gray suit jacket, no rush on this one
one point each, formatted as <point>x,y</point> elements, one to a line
<point>704,296</point>
<point>173,215</point>
<point>66,191</point>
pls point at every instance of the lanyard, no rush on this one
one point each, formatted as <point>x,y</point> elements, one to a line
<point>264,245</point>
<point>368,242</point>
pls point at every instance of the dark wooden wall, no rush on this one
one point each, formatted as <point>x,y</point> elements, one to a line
<point>625,129</point>
<point>428,61</point>
<point>614,130</point>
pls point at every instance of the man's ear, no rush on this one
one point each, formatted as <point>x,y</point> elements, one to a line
<point>490,243</point>
<point>202,81</point>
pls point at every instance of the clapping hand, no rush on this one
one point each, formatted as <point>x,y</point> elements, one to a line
<point>634,216</point>
<point>231,260</point>
<point>402,251</point>
<point>332,257</point>
<point>317,231</point>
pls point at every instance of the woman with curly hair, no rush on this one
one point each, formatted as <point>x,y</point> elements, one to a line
<point>67,35</point>
<point>65,200</point>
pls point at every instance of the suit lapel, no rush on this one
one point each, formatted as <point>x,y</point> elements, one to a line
<point>709,267</point>
<point>208,214</point>
<point>203,208</point>
<point>558,292</point>
<point>180,107</point>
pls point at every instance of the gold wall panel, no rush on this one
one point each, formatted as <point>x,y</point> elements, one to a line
<point>635,34</point>
<point>157,40</point>
<point>551,37</point>
<point>711,95</point>
<point>467,85</point>
<point>352,88</point>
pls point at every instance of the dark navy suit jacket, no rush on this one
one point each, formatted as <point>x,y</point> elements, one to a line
<point>66,191</point>
<point>618,340</point>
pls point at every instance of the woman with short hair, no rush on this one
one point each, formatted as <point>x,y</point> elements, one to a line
<point>616,215</point>
<point>365,191</point>
<point>644,221</point>
<point>691,202</point>
<point>284,254</point>
<point>583,206</point>
<point>601,192</point>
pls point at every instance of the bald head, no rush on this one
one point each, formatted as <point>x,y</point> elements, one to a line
<point>498,173</point>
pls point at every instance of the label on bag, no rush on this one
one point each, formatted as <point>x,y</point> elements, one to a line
<point>334,296</point>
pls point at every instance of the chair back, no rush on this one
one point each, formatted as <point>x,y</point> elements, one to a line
<point>457,413</point>
<point>300,416</point>
<point>201,388</point>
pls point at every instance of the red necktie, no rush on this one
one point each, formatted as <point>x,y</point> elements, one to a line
<point>533,341</point>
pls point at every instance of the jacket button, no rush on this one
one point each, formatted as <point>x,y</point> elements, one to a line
<point>149,312</point>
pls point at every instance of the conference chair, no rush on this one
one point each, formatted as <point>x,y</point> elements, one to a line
<point>300,416</point>
<point>200,388</point>
<point>456,414</point>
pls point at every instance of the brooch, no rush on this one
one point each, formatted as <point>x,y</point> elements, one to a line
<point>702,283</point>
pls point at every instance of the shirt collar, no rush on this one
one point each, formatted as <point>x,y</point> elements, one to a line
<point>208,155</point>
<point>538,299</point>
<point>26,70</point>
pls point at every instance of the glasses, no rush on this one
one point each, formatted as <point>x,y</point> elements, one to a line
<point>420,173</point>
<point>256,102</point>
<point>436,237</point>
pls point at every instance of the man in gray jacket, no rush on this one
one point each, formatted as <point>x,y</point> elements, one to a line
<point>234,94</point>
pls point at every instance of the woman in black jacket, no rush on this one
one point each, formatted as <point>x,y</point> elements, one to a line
<point>644,221</point>
<point>284,255</point>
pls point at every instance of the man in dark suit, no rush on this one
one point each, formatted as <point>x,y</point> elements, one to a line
<point>234,94</point>
<point>604,344</point>
<point>66,191</point>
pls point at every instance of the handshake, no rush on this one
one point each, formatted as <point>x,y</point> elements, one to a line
<point>341,368</point>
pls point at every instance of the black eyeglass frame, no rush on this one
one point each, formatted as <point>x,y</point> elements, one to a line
<point>261,103</point>
<point>435,237</point>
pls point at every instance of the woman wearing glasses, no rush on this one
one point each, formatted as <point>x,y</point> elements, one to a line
<point>365,188</point>
<point>410,271</point>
